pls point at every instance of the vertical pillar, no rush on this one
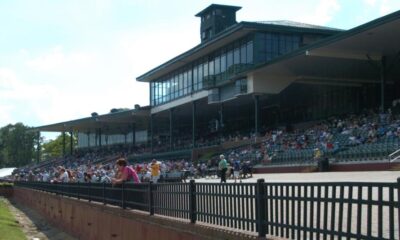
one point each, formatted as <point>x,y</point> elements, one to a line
<point>383,81</point>
<point>63,134</point>
<point>193,124</point>
<point>99,133</point>
<point>38,148</point>
<point>151,132</point>
<point>221,118</point>
<point>256,115</point>
<point>170,129</point>
<point>133,134</point>
<point>88,139</point>
<point>71,142</point>
<point>125,138</point>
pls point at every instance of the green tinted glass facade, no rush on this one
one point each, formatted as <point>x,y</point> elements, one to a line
<point>219,66</point>
<point>222,65</point>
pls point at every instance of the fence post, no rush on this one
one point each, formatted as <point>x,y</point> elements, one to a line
<point>192,201</point>
<point>78,190</point>
<point>398,204</point>
<point>104,193</point>
<point>260,208</point>
<point>151,200</point>
<point>123,195</point>
<point>89,196</point>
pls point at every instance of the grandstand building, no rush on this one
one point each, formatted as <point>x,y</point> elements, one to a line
<point>247,77</point>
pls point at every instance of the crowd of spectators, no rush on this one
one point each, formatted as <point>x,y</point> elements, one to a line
<point>323,137</point>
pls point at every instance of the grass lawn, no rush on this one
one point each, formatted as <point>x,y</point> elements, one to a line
<point>9,229</point>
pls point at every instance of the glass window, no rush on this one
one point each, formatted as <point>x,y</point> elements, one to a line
<point>195,77</point>
<point>223,62</point>
<point>229,58</point>
<point>217,65</point>
<point>180,84</point>
<point>190,82</point>
<point>205,69</point>
<point>249,51</point>
<point>236,55</point>
<point>185,83</point>
<point>211,67</point>
<point>200,76</point>
<point>175,86</point>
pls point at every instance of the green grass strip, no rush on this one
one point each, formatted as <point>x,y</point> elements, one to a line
<point>9,228</point>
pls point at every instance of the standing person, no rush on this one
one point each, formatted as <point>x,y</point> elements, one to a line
<point>155,171</point>
<point>127,173</point>
<point>236,170</point>
<point>223,167</point>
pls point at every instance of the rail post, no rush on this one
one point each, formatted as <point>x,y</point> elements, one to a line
<point>123,195</point>
<point>398,204</point>
<point>151,199</point>
<point>260,208</point>
<point>192,201</point>
<point>78,190</point>
<point>104,193</point>
<point>88,190</point>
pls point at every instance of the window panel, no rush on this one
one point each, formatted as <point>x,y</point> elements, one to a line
<point>243,53</point>
<point>217,65</point>
<point>229,60</point>
<point>249,52</point>
<point>223,62</point>
<point>236,55</point>
<point>211,67</point>
<point>185,83</point>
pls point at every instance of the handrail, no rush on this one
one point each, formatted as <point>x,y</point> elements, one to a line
<point>397,152</point>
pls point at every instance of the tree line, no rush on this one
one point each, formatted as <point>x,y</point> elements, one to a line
<point>19,145</point>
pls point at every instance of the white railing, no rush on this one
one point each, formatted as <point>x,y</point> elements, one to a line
<point>394,156</point>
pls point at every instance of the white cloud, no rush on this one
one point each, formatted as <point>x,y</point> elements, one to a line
<point>312,11</point>
<point>57,60</point>
<point>386,6</point>
<point>370,3</point>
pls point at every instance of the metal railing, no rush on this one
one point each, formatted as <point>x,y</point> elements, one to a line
<point>394,156</point>
<point>350,210</point>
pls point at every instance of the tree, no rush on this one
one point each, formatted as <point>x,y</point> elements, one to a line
<point>16,145</point>
<point>54,148</point>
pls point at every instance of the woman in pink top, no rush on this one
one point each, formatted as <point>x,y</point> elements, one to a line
<point>127,173</point>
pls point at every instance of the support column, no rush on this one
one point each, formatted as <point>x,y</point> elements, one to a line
<point>71,143</point>
<point>151,132</point>
<point>170,128</point>
<point>63,135</point>
<point>256,115</point>
<point>383,82</point>
<point>99,133</point>
<point>193,124</point>
<point>221,119</point>
<point>133,134</point>
<point>38,148</point>
<point>88,139</point>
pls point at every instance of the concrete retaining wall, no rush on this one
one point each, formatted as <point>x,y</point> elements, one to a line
<point>86,220</point>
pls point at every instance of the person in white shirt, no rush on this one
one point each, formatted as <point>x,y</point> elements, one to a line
<point>64,178</point>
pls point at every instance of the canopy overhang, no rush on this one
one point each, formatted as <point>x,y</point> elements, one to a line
<point>118,122</point>
<point>351,57</point>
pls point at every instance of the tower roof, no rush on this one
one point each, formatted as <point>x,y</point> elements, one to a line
<point>217,6</point>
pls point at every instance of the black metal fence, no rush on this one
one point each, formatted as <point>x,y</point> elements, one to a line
<point>340,210</point>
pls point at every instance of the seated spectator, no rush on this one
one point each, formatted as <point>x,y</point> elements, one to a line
<point>127,173</point>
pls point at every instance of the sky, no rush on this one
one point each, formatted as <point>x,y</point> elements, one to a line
<point>64,59</point>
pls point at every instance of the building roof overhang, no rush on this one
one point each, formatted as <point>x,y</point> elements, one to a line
<point>111,122</point>
<point>229,35</point>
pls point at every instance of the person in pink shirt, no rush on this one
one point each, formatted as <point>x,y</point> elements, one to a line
<point>127,173</point>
